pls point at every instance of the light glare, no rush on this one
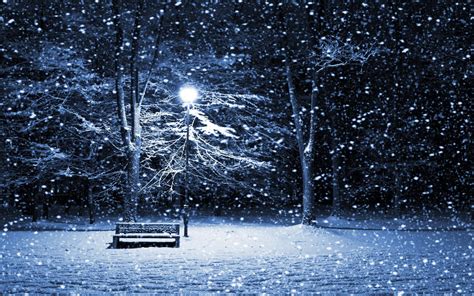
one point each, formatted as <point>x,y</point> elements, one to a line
<point>188,94</point>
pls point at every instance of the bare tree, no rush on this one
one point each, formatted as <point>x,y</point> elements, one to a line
<point>330,53</point>
<point>50,123</point>
<point>131,133</point>
<point>234,141</point>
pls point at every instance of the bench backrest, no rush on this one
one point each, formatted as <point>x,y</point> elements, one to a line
<point>126,227</point>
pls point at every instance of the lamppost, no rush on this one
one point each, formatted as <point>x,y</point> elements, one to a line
<point>188,95</point>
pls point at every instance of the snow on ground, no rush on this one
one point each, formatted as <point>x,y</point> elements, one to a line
<point>241,257</point>
<point>409,223</point>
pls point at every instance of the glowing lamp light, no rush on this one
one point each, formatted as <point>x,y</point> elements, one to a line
<point>188,94</point>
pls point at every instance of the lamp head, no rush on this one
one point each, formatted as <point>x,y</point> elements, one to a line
<point>188,94</point>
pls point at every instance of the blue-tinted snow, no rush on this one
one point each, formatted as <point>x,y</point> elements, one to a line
<point>241,257</point>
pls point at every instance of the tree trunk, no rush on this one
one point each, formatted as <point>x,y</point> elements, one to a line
<point>336,198</point>
<point>119,81</point>
<point>34,216</point>
<point>131,138</point>
<point>46,199</point>
<point>10,198</point>
<point>133,186</point>
<point>335,164</point>
<point>90,203</point>
<point>471,209</point>
<point>308,193</point>
<point>134,149</point>
<point>305,159</point>
<point>396,195</point>
<point>34,204</point>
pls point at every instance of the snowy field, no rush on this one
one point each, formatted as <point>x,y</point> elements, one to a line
<point>241,257</point>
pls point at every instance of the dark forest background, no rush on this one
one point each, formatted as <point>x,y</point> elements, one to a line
<point>393,131</point>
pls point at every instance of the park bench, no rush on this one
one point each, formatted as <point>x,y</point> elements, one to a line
<point>158,232</point>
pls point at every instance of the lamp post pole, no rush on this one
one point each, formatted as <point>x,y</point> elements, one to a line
<point>188,95</point>
<point>186,179</point>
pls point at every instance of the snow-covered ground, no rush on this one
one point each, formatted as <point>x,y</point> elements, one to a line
<point>241,257</point>
<point>373,222</point>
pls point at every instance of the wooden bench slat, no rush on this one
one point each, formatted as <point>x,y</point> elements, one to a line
<point>149,235</point>
<point>126,230</point>
<point>147,227</point>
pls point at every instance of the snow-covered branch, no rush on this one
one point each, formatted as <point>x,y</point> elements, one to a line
<point>332,52</point>
<point>226,139</point>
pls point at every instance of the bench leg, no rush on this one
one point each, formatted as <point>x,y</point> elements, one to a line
<point>115,242</point>
<point>176,245</point>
